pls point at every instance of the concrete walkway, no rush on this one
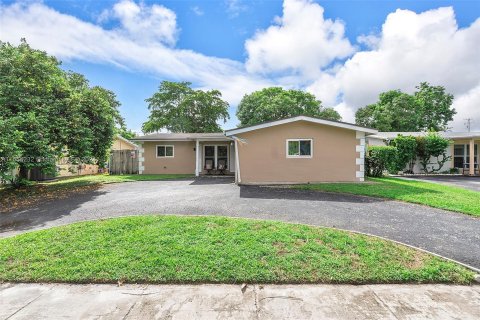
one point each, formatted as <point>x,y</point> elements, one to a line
<point>56,301</point>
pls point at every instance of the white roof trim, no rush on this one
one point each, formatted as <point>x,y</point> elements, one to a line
<point>300,118</point>
<point>224,138</point>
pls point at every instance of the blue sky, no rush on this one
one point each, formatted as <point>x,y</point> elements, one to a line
<point>344,52</point>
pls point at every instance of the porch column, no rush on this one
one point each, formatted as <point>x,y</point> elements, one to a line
<point>197,158</point>
<point>472,157</point>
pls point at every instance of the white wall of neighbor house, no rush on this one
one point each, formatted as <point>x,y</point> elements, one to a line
<point>417,168</point>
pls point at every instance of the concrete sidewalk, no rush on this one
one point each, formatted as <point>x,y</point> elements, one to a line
<point>54,301</point>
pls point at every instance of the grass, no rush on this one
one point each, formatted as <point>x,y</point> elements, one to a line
<point>175,249</point>
<point>426,193</point>
<point>27,196</point>
<point>106,178</point>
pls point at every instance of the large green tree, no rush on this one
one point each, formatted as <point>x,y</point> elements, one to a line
<point>98,112</point>
<point>179,108</point>
<point>429,108</point>
<point>50,113</point>
<point>276,103</point>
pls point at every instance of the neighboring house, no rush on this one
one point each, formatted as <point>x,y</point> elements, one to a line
<point>123,157</point>
<point>66,169</point>
<point>295,150</point>
<point>463,149</point>
<point>120,143</point>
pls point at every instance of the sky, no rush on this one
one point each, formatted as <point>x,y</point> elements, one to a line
<point>345,52</point>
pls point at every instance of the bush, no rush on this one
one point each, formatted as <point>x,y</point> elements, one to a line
<point>432,146</point>
<point>406,152</point>
<point>378,159</point>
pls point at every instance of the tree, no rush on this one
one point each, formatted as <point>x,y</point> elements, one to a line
<point>406,152</point>
<point>126,133</point>
<point>432,146</point>
<point>276,103</point>
<point>433,107</point>
<point>179,108</point>
<point>55,113</point>
<point>378,159</point>
<point>428,108</point>
<point>9,151</point>
<point>97,110</point>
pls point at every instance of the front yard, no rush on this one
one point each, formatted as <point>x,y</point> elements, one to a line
<point>177,249</point>
<point>11,199</point>
<point>426,193</point>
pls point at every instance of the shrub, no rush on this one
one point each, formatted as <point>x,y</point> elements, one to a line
<point>406,152</point>
<point>432,146</point>
<point>378,159</point>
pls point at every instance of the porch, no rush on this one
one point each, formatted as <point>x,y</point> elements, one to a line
<point>214,157</point>
<point>466,156</point>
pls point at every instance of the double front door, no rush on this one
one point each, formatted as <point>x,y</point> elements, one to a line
<point>215,154</point>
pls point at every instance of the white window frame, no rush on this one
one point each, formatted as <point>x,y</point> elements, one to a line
<point>215,157</point>
<point>165,145</point>
<point>466,147</point>
<point>299,156</point>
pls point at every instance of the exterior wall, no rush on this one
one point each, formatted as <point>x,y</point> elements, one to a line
<point>360,160</point>
<point>119,144</point>
<point>375,142</point>
<point>417,168</point>
<point>263,155</point>
<point>182,162</point>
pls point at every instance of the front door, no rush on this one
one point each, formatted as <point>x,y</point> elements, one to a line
<point>213,155</point>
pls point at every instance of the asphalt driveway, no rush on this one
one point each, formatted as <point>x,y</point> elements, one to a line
<point>454,235</point>
<point>466,182</point>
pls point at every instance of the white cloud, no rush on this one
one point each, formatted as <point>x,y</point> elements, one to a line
<point>235,7</point>
<point>142,22</point>
<point>197,10</point>
<point>468,107</point>
<point>301,41</point>
<point>67,38</point>
<point>411,48</point>
<point>292,53</point>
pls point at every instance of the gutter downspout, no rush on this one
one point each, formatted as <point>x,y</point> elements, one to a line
<point>238,177</point>
<point>197,155</point>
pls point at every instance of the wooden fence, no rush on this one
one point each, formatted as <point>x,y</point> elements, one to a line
<point>123,162</point>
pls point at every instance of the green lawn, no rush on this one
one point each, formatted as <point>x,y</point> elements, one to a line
<point>30,195</point>
<point>430,194</point>
<point>174,249</point>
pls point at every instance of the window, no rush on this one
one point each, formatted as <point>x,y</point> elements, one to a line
<point>222,156</point>
<point>164,151</point>
<point>461,155</point>
<point>299,148</point>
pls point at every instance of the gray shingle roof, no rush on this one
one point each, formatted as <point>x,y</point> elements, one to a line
<point>444,134</point>
<point>181,136</point>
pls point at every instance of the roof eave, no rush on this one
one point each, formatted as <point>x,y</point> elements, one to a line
<point>344,125</point>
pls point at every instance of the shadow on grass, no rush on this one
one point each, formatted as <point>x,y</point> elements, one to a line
<point>374,191</point>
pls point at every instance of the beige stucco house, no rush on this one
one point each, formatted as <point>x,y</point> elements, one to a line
<point>463,149</point>
<point>120,143</point>
<point>295,150</point>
